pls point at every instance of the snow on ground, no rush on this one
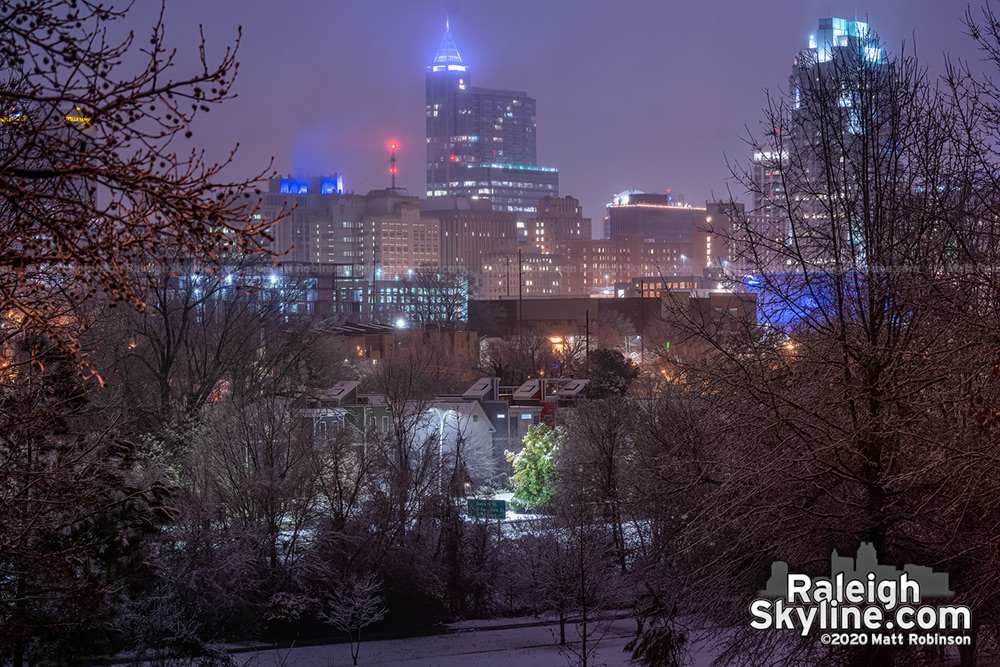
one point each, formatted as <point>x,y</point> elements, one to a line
<point>525,641</point>
<point>476,645</point>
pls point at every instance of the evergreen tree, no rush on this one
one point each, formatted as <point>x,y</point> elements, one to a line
<point>535,467</point>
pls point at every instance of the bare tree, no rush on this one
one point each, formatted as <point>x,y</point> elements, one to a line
<point>342,468</point>
<point>597,463</point>
<point>528,354</point>
<point>199,325</point>
<point>259,454</point>
<point>407,456</point>
<point>247,490</point>
<point>614,331</point>
<point>354,607</point>
<point>431,296</point>
<point>569,355</point>
<point>585,563</point>
<point>844,418</point>
<point>97,173</point>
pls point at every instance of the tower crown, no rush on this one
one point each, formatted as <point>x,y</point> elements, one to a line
<point>447,57</point>
<point>836,34</point>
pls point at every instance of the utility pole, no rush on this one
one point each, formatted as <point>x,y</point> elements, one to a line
<point>642,321</point>
<point>508,274</point>
<point>520,294</point>
<point>392,162</point>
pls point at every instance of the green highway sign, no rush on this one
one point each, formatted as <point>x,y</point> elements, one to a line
<point>487,509</point>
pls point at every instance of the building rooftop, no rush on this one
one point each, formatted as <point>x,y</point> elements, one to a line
<point>447,55</point>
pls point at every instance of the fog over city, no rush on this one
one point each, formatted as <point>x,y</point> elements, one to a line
<point>635,94</point>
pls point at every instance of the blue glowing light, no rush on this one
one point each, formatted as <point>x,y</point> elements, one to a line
<point>447,54</point>
<point>752,282</point>
<point>293,187</point>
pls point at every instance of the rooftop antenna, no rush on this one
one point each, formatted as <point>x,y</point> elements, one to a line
<point>392,162</point>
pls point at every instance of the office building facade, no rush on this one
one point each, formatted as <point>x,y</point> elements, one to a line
<point>657,217</point>
<point>558,219</point>
<point>378,236</point>
<point>469,229</point>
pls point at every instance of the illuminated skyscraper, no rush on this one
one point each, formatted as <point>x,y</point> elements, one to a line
<point>481,141</point>
<point>839,71</point>
<point>834,51</point>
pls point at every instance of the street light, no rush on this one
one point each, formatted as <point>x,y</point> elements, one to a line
<point>444,415</point>
<point>642,320</point>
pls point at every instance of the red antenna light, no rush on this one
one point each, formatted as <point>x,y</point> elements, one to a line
<point>452,158</point>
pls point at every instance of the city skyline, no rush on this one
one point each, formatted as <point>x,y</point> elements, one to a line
<point>267,407</point>
<point>637,96</point>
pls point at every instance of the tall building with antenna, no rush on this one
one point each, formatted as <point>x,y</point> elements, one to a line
<point>481,141</point>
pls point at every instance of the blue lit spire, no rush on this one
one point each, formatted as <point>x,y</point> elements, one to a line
<point>447,53</point>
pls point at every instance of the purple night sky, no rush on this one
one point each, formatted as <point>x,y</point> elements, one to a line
<point>647,94</point>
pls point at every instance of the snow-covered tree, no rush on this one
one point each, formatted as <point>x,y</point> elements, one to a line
<point>354,607</point>
<point>74,515</point>
<point>534,477</point>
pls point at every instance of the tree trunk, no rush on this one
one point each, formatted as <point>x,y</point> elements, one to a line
<point>22,590</point>
<point>967,654</point>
